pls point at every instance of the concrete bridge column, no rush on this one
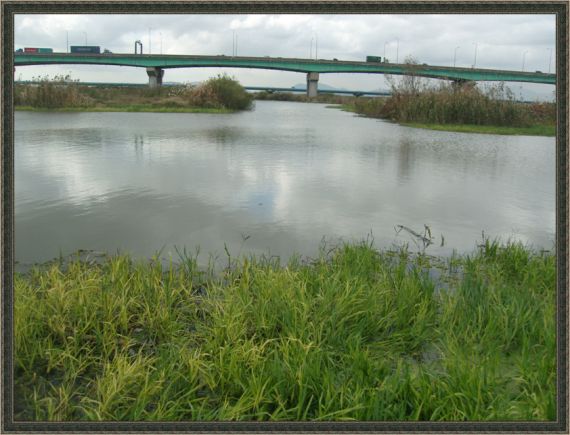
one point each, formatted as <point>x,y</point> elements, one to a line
<point>312,84</point>
<point>155,76</point>
<point>462,84</point>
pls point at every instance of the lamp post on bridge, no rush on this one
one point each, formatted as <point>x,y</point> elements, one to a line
<point>85,33</point>
<point>316,46</point>
<point>149,41</point>
<point>316,39</point>
<point>455,55</point>
<point>549,59</point>
<point>475,58</point>
<point>234,43</point>
<point>397,48</point>
<point>523,59</point>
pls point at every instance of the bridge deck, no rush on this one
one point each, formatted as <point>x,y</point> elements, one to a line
<point>284,64</point>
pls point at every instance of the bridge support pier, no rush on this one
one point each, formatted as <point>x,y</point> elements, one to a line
<point>312,84</point>
<point>155,76</point>
<point>462,84</point>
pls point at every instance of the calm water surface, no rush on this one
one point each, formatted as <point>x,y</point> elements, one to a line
<point>275,180</point>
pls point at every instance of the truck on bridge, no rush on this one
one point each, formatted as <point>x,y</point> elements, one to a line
<point>377,59</point>
<point>34,50</point>
<point>89,49</point>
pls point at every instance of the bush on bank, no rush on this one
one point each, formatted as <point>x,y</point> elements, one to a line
<point>355,334</point>
<point>221,92</point>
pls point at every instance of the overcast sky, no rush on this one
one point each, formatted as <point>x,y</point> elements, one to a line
<point>490,41</point>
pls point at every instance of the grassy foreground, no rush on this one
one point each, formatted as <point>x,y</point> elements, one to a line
<point>356,334</point>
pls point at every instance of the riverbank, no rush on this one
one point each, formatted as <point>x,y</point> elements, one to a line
<point>356,334</point>
<point>128,108</point>
<point>534,130</point>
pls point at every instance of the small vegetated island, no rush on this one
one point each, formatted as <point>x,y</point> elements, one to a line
<point>221,94</point>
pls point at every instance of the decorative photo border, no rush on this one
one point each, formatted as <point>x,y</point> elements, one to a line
<point>10,8</point>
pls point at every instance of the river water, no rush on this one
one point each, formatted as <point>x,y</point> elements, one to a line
<point>275,180</point>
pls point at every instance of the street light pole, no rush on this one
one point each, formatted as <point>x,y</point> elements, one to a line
<point>475,58</point>
<point>316,46</point>
<point>455,55</point>
<point>524,55</point>
<point>149,43</point>
<point>549,59</point>
<point>160,42</point>
<point>67,41</point>
<point>85,33</point>
<point>397,48</point>
<point>385,51</point>
<point>311,49</point>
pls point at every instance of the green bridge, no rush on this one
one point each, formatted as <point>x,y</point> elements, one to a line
<point>155,65</point>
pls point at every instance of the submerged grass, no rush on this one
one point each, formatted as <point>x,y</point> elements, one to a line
<point>356,334</point>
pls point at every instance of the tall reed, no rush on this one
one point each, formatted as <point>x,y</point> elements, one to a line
<point>415,100</point>
<point>50,93</point>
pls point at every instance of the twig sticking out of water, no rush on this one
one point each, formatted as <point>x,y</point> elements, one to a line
<point>425,240</point>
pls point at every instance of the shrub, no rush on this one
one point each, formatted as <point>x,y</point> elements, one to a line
<point>221,92</point>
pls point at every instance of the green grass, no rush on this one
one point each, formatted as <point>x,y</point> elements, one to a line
<point>129,108</point>
<point>535,130</point>
<point>356,334</point>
